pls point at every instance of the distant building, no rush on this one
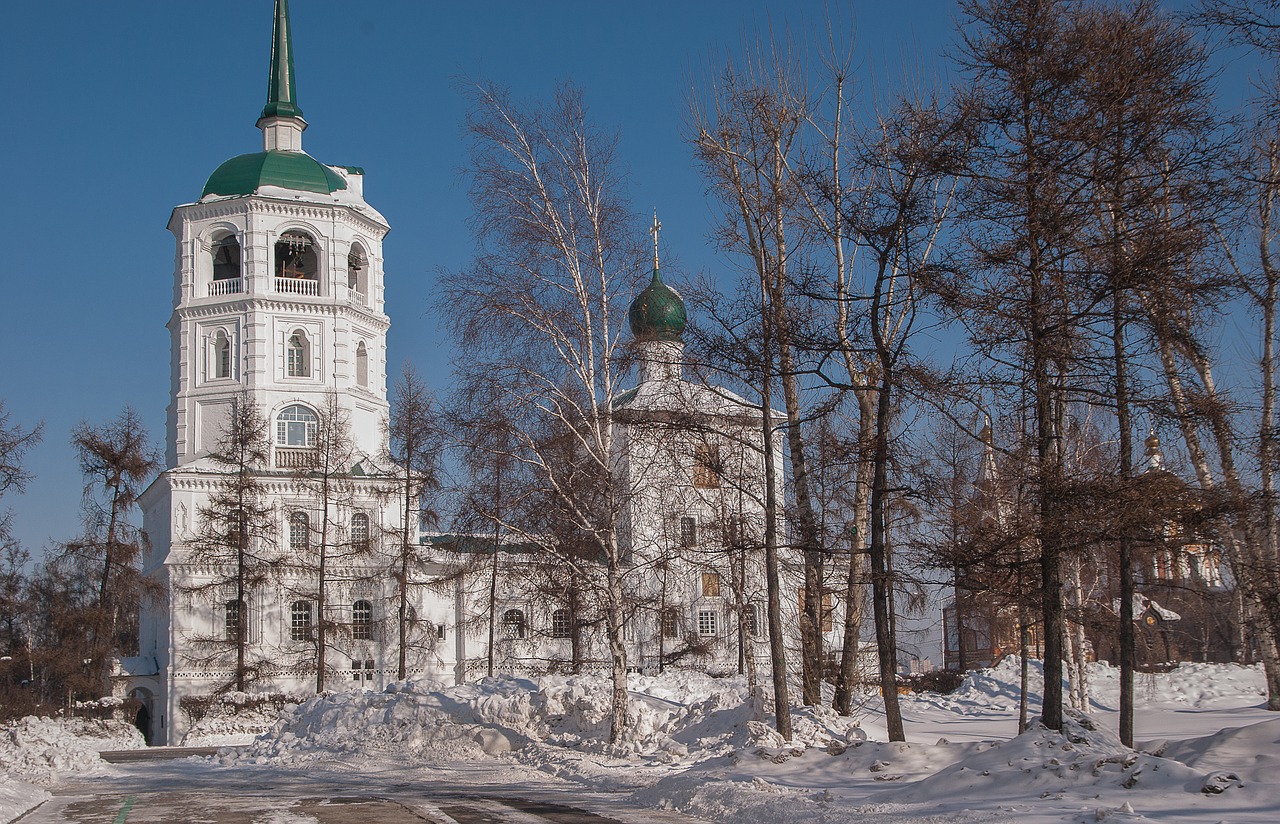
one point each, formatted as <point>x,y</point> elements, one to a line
<point>1184,606</point>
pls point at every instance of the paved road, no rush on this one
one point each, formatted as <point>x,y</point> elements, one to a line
<point>205,808</point>
<point>160,785</point>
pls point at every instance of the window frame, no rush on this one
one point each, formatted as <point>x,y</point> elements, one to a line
<point>711,584</point>
<point>301,620</point>
<point>514,625</point>
<point>561,623</point>
<point>688,531</point>
<point>299,532</point>
<point>234,621</point>
<point>360,534</point>
<point>222,367</point>
<point>708,623</point>
<point>297,354</point>
<point>362,620</point>
<point>307,424</point>
<point>671,621</point>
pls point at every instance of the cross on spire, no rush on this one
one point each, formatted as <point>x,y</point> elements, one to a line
<point>653,230</point>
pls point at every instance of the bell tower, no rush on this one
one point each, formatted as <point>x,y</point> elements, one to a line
<point>278,285</point>
<point>277,302</point>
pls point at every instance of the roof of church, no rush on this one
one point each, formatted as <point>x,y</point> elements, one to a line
<point>657,313</point>
<point>245,174</point>
<point>295,170</point>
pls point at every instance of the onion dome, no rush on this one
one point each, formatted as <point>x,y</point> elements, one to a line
<point>245,174</point>
<point>657,313</point>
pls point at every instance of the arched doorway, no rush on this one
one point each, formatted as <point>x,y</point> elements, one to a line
<point>141,697</point>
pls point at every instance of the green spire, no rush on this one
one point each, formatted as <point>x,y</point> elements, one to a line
<point>282,93</point>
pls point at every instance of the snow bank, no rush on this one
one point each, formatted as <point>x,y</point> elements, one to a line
<point>237,718</point>
<point>17,797</point>
<point>706,747</point>
<point>40,750</point>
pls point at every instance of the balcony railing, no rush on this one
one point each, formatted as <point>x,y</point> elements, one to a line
<point>294,458</point>
<point>356,298</point>
<point>298,286</point>
<point>226,286</point>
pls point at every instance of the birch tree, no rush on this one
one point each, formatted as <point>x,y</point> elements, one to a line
<point>542,311</point>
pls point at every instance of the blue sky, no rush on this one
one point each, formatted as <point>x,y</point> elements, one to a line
<point>116,112</point>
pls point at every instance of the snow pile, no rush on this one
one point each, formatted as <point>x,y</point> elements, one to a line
<point>17,797</point>
<point>1196,686</point>
<point>680,717</point>
<point>237,718</point>
<point>1082,760</point>
<point>40,750</point>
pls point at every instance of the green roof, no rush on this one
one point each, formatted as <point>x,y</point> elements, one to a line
<point>657,313</point>
<point>299,171</point>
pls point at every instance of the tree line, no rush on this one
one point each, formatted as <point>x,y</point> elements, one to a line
<point>1032,264</point>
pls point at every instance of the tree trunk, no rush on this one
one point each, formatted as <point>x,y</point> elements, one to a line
<point>854,596</point>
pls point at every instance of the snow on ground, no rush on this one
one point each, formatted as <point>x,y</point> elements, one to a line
<point>41,751</point>
<point>237,718</point>
<point>706,747</point>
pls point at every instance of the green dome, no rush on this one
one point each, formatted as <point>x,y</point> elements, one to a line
<point>245,174</point>
<point>657,313</point>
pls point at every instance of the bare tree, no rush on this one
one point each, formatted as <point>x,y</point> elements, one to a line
<point>323,554</point>
<point>1021,225</point>
<point>117,461</point>
<point>414,442</point>
<point>236,540</point>
<point>541,310</point>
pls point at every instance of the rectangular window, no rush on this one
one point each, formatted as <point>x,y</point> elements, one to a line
<point>362,670</point>
<point>561,624</point>
<point>706,467</point>
<point>233,619</point>
<point>826,612</point>
<point>688,531</point>
<point>671,622</point>
<point>753,620</point>
<point>711,584</point>
<point>707,622</point>
<point>300,621</point>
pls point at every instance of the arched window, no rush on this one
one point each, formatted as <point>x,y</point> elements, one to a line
<point>561,624</point>
<point>362,364</point>
<point>300,621</point>
<point>362,621</point>
<point>297,355</point>
<point>296,257</point>
<point>226,258</point>
<point>513,623</point>
<point>296,426</point>
<point>221,355</point>
<point>299,532</point>
<point>234,616</point>
<point>358,272</point>
<point>360,531</point>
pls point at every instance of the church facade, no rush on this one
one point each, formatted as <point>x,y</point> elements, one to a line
<point>279,308</point>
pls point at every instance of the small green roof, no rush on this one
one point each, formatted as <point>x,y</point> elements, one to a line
<point>657,313</point>
<point>245,174</point>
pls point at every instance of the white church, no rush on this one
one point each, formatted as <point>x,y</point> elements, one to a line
<point>278,303</point>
